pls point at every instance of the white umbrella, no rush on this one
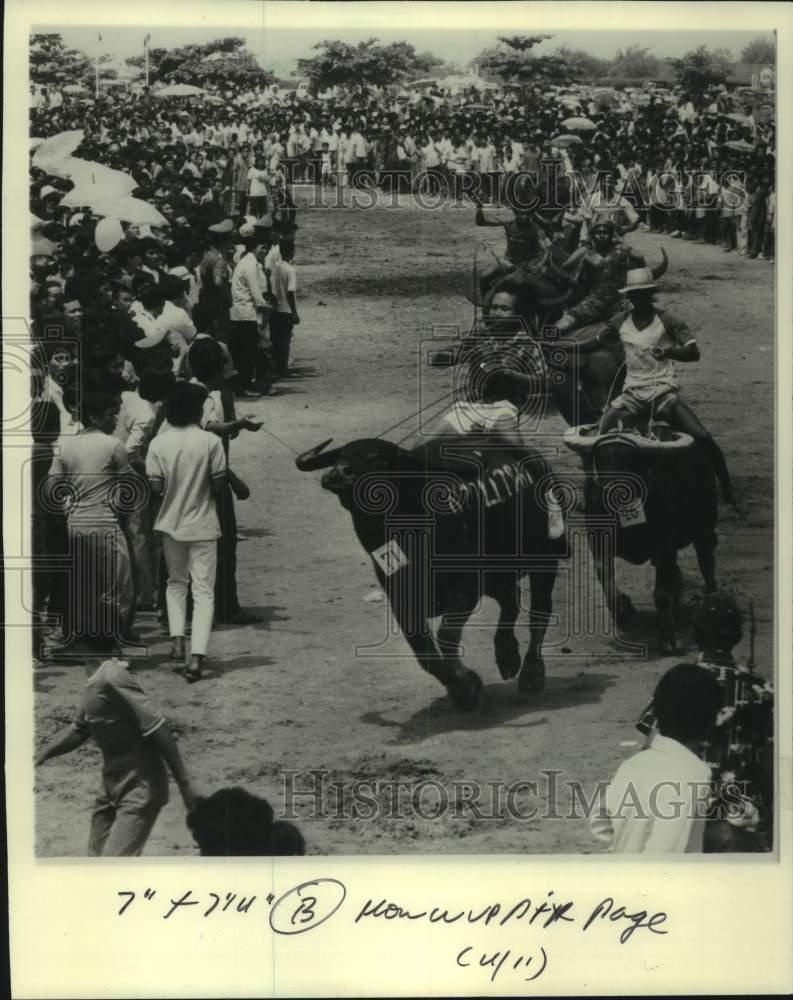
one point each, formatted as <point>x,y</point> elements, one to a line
<point>129,209</point>
<point>180,90</point>
<point>35,142</point>
<point>96,180</point>
<point>73,88</point>
<point>578,124</point>
<point>57,148</point>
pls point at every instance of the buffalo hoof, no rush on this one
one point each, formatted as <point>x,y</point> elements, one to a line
<point>532,676</point>
<point>626,612</point>
<point>507,656</point>
<point>465,690</point>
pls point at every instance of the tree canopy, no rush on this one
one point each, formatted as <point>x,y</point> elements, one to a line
<point>761,51</point>
<point>700,69</point>
<point>224,59</point>
<point>636,62</point>
<point>52,63</point>
<point>368,64</point>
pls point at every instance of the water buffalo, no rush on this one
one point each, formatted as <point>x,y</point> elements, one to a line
<point>445,531</point>
<point>658,495</point>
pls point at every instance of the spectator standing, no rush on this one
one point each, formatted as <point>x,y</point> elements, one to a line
<point>284,316</point>
<point>186,466</point>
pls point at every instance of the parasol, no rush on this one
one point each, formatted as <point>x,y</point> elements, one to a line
<point>739,146</point>
<point>579,124</point>
<point>180,90</point>
<point>740,119</point>
<point>475,107</point>
<point>57,148</point>
<point>108,234</point>
<point>94,182</point>
<point>128,209</point>
<point>73,88</point>
<point>35,142</point>
<point>563,141</point>
<point>35,221</point>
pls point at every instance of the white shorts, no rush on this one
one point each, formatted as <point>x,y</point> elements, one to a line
<point>640,399</point>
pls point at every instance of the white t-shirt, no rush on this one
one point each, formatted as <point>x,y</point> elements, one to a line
<point>135,419</point>
<point>283,280</point>
<point>185,460</point>
<point>258,182</point>
<point>656,802</point>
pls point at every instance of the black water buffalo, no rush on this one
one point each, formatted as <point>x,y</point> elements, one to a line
<point>658,495</point>
<point>445,531</point>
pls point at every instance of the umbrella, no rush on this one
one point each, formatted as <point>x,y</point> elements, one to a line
<point>42,247</point>
<point>214,99</point>
<point>94,182</point>
<point>578,124</point>
<point>35,221</point>
<point>73,88</point>
<point>57,148</point>
<point>129,209</point>
<point>475,107</point>
<point>180,90</point>
<point>108,234</point>
<point>35,142</point>
<point>741,119</point>
<point>739,146</point>
<point>563,141</point>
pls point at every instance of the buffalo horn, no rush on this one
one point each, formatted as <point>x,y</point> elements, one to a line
<point>660,269</point>
<point>314,458</point>
<point>558,301</point>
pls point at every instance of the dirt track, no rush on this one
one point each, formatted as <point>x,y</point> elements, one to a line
<point>292,694</point>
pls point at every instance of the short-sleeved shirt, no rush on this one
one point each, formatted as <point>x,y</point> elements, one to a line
<point>135,419</point>
<point>116,712</point>
<point>642,369</point>
<point>91,463</point>
<point>283,281</point>
<point>185,460</point>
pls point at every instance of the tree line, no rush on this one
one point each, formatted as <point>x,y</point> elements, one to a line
<point>369,64</point>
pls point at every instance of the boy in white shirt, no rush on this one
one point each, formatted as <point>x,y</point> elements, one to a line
<point>657,802</point>
<point>186,466</point>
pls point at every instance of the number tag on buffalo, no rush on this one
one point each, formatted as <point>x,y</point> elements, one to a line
<point>632,517</point>
<point>390,558</point>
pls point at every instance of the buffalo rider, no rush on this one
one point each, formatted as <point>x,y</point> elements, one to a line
<point>653,341</point>
<point>601,274</point>
<point>486,401</point>
<point>527,243</point>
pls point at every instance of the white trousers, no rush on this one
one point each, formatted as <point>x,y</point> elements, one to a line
<point>196,562</point>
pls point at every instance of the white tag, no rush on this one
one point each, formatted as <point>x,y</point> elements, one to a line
<point>390,558</point>
<point>632,517</point>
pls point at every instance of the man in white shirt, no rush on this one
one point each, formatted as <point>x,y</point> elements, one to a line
<point>657,802</point>
<point>284,317</point>
<point>248,289</point>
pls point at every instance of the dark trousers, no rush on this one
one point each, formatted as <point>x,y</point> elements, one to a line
<point>280,340</point>
<point>244,344</point>
<point>227,604</point>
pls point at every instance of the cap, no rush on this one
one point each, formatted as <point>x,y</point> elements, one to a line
<point>247,230</point>
<point>47,190</point>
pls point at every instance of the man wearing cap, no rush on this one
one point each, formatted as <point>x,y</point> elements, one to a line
<point>215,276</point>
<point>653,341</point>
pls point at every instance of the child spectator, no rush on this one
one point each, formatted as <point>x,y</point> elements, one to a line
<point>657,801</point>
<point>136,744</point>
<point>186,466</point>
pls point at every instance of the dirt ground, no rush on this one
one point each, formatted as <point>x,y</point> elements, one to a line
<point>302,692</point>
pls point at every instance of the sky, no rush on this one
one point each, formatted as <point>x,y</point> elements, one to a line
<point>279,48</point>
